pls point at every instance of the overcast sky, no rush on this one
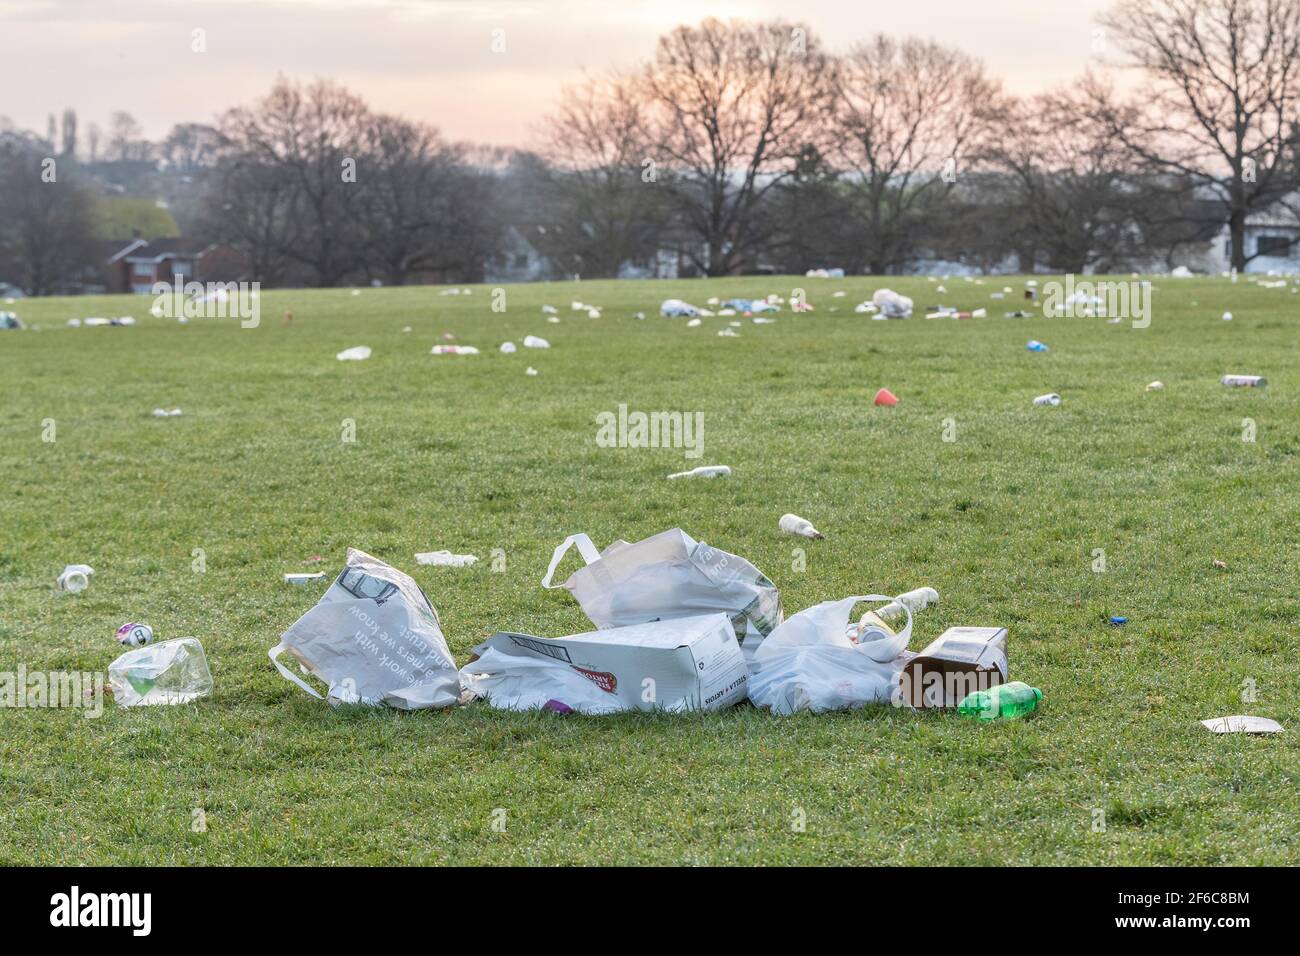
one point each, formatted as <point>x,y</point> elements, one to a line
<point>433,59</point>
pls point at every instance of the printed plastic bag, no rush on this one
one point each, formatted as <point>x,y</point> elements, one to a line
<point>811,663</point>
<point>666,576</point>
<point>373,638</point>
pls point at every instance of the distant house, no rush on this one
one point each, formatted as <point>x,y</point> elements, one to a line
<point>517,260</point>
<point>135,265</point>
<point>1272,240</point>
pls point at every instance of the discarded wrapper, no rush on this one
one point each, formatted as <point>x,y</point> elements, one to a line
<point>303,578</point>
<point>704,471</point>
<point>959,661</point>
<point>1245,381</point>
<point>1241,724</point>
<point>355,354</point>
<point>445,559</point>
<point>1049,399</point>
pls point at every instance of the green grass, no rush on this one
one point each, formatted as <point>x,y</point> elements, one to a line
<point>468,453</point>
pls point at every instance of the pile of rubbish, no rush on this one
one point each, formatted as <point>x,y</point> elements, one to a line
<point>678,625</point>
<point>9,320</point>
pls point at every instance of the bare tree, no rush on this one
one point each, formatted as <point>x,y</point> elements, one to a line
<point>1070,179</point>
<point>46,226</point>
<point>1219,105</point>
<point>599,199</point>
<point>190,147</point>
<point>911,114</point>
<point>93,136</point>
<point>313,137</point>
<point>69,130</point>
<point>126,138</point>
<point>730,108</point>
<point>420,201</point>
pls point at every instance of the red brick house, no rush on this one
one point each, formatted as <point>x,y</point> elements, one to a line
<point>137,264</point>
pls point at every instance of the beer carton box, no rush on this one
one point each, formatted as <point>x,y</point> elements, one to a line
<point>687,663</point>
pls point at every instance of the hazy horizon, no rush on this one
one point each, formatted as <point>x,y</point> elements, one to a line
<point>433,60</point>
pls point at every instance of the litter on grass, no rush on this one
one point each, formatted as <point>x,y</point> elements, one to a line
<point>75,578</point>
<point>166,412</point>
<point>453,350</point>
<point>885,397</point>
<point>1051,398</point>
<point>793,524</point>
<point>891,304</point>
<point>373,638</point>
<point>445,559</point>
<point>355,354</point>
<point>533,342</point>
<point>134,634</point>
<point>676,308</point>
<point>1242,724</point>
<point>667,576</point>
<point>301,579</point>
<point>704,471</point>
<point>811,663</point>
<point>172,672</point>
<point>1244,381</point>
<point>675,665</point>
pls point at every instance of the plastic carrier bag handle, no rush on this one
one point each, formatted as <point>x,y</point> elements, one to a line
<point>274,653</point>
<point>585,548</point>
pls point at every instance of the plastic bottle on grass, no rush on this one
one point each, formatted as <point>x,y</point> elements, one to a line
<point>1007,701</point>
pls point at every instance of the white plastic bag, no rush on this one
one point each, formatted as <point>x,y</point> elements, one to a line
<point>373,638</point>
<point>666,576</point>
<point>891,304</point>
<point>810,662</point>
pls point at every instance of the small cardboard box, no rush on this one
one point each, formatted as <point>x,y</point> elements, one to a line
<point>957,662</point>
<point>687,663</point>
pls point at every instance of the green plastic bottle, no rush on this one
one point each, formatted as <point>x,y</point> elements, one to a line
<point>1007,701</point>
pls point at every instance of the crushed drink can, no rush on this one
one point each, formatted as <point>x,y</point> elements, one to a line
<point>132,634</point>
<point>1245,381</point>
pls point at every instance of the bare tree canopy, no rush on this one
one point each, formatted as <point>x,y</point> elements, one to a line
<point>1220,100</point>
<point>909,114</point>
<point>731,107</point>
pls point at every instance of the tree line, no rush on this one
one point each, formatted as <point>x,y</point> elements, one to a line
<point>739,147</point>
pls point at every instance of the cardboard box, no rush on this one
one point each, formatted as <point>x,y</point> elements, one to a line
<point>957,662</point>
<point>692,663</point>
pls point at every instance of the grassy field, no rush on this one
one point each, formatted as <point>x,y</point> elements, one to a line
<point>470,454</point>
